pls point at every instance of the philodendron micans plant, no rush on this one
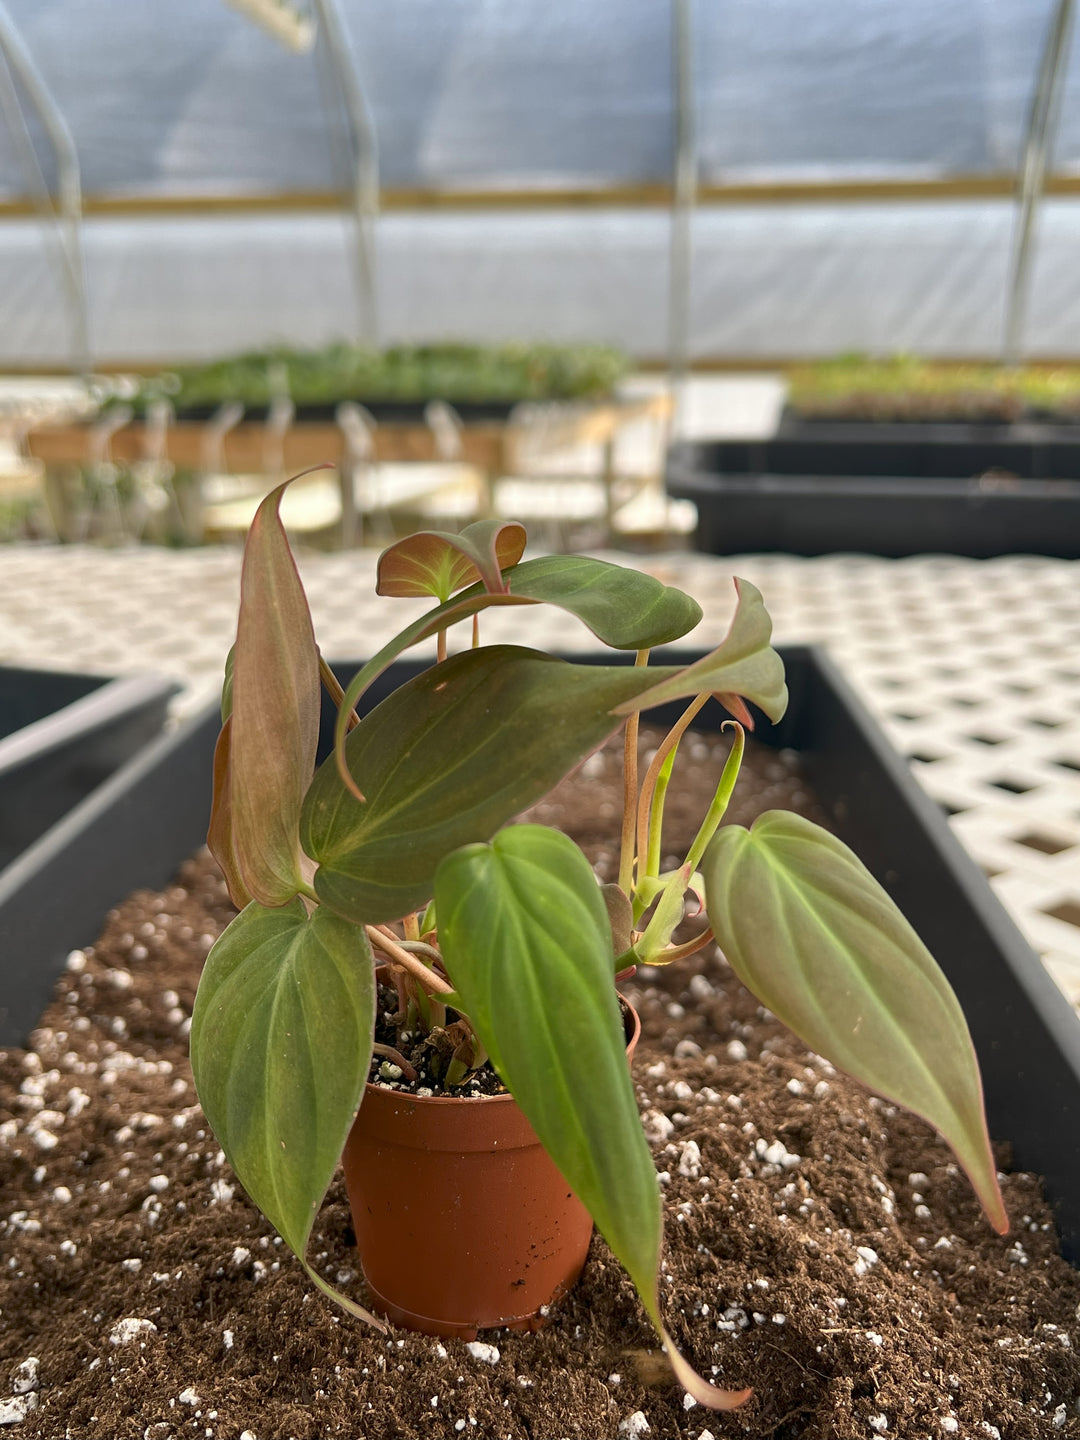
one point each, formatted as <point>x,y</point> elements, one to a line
<point>399,850</point>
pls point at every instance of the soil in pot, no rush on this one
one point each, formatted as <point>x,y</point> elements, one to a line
<point>821,1246</point>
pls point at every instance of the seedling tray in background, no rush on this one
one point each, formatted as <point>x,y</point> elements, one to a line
<point>890,489</point>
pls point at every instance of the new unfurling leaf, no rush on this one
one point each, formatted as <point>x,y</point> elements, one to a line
<point>267,762</point>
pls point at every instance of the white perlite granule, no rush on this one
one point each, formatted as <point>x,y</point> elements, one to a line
<point>866,1258</point>
<point>486,1354</point>
<point>658,1128</point>
<point>130,1328</point>
<point>15,1410</point>
<point>26,1376</point>
<point>690,1160</point>
<point>634,1424</point>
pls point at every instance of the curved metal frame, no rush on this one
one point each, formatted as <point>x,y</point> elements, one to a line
<point>365,163</point>
<point>1039,134</point>
<point>18,66</point>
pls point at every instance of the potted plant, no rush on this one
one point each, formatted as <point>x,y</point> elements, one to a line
<point>502,947</point>
<point>898,457</point>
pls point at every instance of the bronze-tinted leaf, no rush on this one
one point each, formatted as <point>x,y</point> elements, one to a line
<point>219,837</point>
<point>435,562</point>
<point>275,711</point>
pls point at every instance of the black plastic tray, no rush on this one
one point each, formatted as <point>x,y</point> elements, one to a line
<point>1031,450</point>
<point>385,412</point>
<point>61,735</point>
<point>142,823</point>
<point>897,489</point>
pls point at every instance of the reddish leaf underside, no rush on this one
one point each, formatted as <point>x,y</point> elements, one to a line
<point>275,716</point>
<point>434,562</point>
<point>219,837</point>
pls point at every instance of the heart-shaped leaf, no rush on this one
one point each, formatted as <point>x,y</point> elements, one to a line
<point>743,666</point>
<point>433,562</point>
<point>275,712</point>
<point>525,936</point>
<point>281,1037</point>
<point>624,608</point>
<point>809,930</point>
<point>445,760</point>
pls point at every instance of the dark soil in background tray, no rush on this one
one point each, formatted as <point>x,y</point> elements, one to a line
<point>821,1246</point>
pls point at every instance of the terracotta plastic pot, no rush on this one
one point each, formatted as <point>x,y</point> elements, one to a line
<point>462,1220</point>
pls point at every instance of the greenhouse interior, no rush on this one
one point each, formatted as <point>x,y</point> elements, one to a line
<point>745,333</point>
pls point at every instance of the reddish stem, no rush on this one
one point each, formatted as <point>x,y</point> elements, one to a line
<point>680,952</point>
<point>336,693</point>
<point>432,983</point>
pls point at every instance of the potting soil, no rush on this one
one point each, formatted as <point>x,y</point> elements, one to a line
<point>821,1246</point>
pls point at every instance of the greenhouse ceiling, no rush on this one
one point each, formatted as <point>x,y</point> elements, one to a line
<point>189,112</point>
<point>168,99</point>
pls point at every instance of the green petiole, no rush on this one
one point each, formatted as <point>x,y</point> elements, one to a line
<point>722,797</point>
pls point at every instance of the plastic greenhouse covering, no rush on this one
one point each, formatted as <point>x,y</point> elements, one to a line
<point>189,102</point>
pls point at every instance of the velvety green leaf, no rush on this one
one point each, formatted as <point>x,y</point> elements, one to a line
<point>526,940</point>
<point>281,1038</point>
<point>624,608</point>
<point>434,562</point>
<point>447,759</point>
<point>275,711</point>
<point>810,931</point>
<point>743,665</point>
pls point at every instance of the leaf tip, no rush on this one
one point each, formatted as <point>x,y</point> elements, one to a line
<point>736,706</point>
<point>345,774</point>
<point>994,1208</point>
<point>705,1393</point>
